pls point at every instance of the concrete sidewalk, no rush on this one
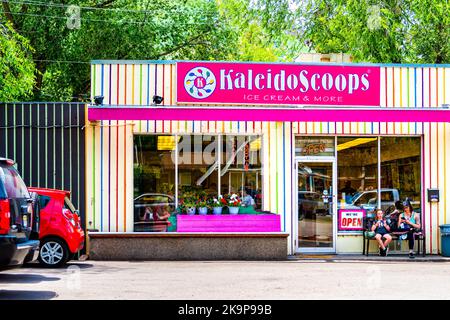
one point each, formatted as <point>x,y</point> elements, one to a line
<point>370,257</point>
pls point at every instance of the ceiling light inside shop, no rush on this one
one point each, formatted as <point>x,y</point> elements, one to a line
<point>354,143</point>
<point>166,143</point>
<point>255,145</point>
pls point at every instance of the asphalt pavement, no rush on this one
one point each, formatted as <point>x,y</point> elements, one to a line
<point>292,279</point>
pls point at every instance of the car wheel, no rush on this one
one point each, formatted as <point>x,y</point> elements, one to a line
<point>53,253</point>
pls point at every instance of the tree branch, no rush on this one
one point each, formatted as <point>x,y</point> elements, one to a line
<point>9,16</point>
<point>104,3</point>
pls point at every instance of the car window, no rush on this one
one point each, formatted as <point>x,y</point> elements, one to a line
<point>68,205</point>
<point>13,185</point>
<point>154,199</point>
<point>43,201</point>
<point>367,198</point>
<point>387,196</point>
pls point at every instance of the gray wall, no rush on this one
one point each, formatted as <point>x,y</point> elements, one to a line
<point>47,140</point>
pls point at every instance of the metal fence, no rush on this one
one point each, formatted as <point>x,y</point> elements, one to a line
<point>47,140</point>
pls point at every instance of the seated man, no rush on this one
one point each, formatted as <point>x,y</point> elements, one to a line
<point>247,199</point>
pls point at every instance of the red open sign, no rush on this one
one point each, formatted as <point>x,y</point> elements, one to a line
<point>351,219</point>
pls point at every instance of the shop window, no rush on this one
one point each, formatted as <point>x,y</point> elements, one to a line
<point>400,170</point>
<point>154,182</point>
<point>183,174</point>
<point>241,168</point>
<point>197,168</point>
<point>357,159</point>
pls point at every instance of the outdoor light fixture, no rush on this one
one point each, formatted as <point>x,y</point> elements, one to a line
<point>157,99</point>
<point>98,100</point>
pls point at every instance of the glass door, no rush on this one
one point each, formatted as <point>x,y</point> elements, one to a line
<point>316,205</point>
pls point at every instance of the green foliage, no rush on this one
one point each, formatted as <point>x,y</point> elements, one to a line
<point>16,66</point>
<point>46,50</point>
<point>118,29</point>
<point>399,31</point>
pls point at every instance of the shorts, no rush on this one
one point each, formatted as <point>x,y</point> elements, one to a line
<point>382,233</point>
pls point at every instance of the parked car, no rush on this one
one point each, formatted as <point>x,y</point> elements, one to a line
<point>368,200</point>
<point>146,207</point>
<point>16,219</point>
<point>60,234</point>
<point>311,203</point>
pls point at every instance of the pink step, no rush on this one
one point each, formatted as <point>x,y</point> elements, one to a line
<point>229,223</point>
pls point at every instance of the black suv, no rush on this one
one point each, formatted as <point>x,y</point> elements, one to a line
<point>17,221</point>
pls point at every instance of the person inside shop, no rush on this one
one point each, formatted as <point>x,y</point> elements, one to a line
<point>247,199</point>
<point>348,190</point>
<point>161,213</point>
<point>382,229</point>
<point>409,221</point>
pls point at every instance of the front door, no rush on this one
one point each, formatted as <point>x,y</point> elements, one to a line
<point>316,206</point>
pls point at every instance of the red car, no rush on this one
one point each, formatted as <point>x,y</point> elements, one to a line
<point>60,234</point>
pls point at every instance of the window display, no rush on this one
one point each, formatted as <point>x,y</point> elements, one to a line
<point>194,175</point>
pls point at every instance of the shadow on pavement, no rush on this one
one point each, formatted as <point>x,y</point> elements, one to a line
<point>24,278</point>
<point>80,265</point>
<point>26,295</point>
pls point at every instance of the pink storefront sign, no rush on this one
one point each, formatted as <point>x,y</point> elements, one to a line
<point>277,84</point>
<point>229,223</point>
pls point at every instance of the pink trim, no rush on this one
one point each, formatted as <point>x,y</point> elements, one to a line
<point>229,223</point>
<point>251,114</point>
<point>342,228</point>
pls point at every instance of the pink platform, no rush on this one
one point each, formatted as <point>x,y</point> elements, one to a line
<point>229,223</point>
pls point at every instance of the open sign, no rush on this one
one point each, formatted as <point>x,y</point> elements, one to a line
<point>351,219</point>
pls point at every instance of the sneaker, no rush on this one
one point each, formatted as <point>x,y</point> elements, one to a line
<point>411,255</point>
<point>386,251</point>
<point>383,252</point>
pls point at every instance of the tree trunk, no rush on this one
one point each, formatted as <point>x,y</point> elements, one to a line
<point>40,71</point>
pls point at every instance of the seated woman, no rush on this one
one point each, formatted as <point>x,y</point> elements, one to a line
<point>409,220</point>
<point>161,213</point>
<point>382,229</point>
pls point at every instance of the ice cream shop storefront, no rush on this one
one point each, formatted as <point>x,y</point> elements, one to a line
<point>229,160</point>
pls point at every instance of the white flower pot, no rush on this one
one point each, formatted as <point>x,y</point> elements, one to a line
<point>233,210</point>
<point>203,211</point>
<point>191,211</point>
<point>217,211</point>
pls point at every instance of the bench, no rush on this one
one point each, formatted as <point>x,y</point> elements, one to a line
<point>419,236</point>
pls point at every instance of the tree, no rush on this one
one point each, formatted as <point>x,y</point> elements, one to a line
<point>66,35</point>
<point>16,66</point>
<point>398,31</point>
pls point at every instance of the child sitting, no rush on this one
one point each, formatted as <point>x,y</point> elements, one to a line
<point>382,229</point>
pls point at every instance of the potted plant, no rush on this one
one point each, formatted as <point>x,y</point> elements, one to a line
<point>234,204</point>
<point>202,206</point>
<point>189,205</point>
<point>217,205</point>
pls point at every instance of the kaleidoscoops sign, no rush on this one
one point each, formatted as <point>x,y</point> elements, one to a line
<point>277,84</point>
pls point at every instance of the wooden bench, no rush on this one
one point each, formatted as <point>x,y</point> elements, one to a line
<point>419,236</point>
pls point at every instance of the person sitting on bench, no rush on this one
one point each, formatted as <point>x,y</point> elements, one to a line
<point>409,221</point>
<point>382,229</point>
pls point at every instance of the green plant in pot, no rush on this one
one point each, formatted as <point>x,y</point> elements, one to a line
<point>234,203</point>
<point>217,204</point>
<point>202,207</point>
